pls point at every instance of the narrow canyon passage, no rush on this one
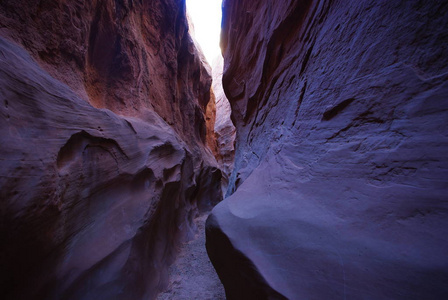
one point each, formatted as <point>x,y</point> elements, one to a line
<point>192,275</point>
<point>325,123</point>
<point>107,117</point>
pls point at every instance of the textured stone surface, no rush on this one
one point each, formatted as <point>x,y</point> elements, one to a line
<point>341,170</point>
<point>103,159</point>
<point>210,119</point>
<point>224,129</point>
<point>117,54</point>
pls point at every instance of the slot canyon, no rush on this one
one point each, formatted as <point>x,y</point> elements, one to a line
<point>309,162</point>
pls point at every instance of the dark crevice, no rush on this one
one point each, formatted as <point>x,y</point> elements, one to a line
<point>333,112</point>
<point>237,272</point>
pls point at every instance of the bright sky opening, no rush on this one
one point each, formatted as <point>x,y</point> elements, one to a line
<point>206,16</point>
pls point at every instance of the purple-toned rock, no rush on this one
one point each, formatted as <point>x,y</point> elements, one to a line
<point>341,169</point>
<point>103,158</point>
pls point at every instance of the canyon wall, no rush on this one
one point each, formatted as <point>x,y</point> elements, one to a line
<point>123,55</point>
<point>224,129</point>
<point>341,171</point>
<point>103,158</point>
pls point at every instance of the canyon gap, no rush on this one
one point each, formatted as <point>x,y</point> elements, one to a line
<point>339,185</point>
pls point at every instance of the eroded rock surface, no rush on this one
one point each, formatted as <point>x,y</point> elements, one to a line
<point>122,55</point>
<point>103,158</point>
<point>341,169</point>
<point>224,129</point>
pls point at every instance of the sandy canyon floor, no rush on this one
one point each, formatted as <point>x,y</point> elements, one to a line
<point>192,276</point>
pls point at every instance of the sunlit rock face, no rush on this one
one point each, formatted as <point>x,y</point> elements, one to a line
<point>341,170</point>
<point>103,163</point>
<point>121,55</point>
<point>223,127</point>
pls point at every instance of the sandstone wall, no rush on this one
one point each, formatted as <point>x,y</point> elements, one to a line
<point>123,55</point>
<point>341,171</point>
<point>224,129</point>
<point>103,158</point>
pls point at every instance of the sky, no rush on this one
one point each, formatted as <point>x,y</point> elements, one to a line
<point>206,17</point>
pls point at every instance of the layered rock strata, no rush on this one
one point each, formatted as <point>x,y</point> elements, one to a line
<point>103,159</point>
<point>341,172</point>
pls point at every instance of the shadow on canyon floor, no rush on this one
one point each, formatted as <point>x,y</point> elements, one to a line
<point>192,275</point>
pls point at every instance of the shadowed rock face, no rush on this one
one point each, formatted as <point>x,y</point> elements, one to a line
<point>341,172</point>
<point>103,162</point>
